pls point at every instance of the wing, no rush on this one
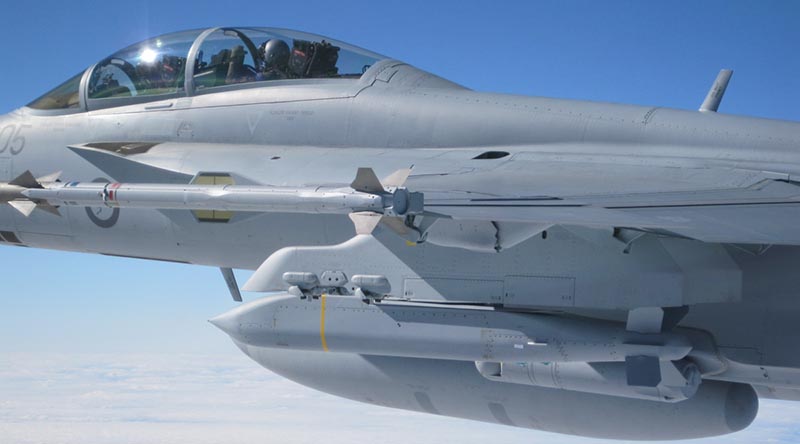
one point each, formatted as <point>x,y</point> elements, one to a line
<point>716,204</point>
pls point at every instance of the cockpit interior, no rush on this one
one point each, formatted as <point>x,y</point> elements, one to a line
<point>221,59</point>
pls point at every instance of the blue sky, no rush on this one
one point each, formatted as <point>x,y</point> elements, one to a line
<point>641,52</point>
<point>663,53</point>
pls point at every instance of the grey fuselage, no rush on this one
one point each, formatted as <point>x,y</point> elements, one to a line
<point>414,110</point>
<point>295,133</point>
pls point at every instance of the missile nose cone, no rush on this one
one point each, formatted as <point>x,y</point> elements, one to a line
<point>248,323</point>
<point>227,322</point>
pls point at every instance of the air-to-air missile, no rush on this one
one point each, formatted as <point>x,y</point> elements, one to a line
<point>366,194</point>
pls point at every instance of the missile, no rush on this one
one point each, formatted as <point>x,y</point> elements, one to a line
<point>207,197</point>
<point>366,194</point>
<point>338,323</point>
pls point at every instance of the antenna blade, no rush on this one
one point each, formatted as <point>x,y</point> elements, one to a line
<point>714,97</point>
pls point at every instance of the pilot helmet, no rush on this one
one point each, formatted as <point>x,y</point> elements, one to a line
<point>275,53</point>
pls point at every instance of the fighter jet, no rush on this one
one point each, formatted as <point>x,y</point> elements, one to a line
<point>585,268</point>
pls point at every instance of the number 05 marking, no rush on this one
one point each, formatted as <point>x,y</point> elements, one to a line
<point>11,139</point>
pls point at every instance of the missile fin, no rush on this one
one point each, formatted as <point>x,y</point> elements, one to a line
<point>396,224</point>
<point>25,207</point>
<point>365,222</point>
<point>655,319</point>
<point>367,182</point>
<point>47,208</point>
<point>26,180</point>
<point>49,178</point>
<point>398,178</point>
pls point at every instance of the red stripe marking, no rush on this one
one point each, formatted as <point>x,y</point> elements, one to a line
<point>112,191</point>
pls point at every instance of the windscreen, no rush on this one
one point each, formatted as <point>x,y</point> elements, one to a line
<point>64,96</point>
<point>158,67</point>
<point>154,67</point>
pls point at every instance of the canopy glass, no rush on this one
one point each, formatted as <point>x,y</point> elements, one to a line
<point>194,62</point>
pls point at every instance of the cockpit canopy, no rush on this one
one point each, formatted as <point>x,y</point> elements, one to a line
<point>221,59</point>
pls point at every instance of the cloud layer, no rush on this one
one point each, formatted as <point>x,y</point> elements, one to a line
<point>120,399</point>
